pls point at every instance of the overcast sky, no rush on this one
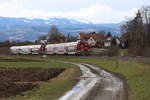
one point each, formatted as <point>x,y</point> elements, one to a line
<point>96,11</point>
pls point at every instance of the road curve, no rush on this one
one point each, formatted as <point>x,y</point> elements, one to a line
<point>96,84</point>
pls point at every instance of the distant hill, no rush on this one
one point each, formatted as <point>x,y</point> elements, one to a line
<point>29,29</point>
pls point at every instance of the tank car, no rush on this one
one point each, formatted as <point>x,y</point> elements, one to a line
<point>69,48</point>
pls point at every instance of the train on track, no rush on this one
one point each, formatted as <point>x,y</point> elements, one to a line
<point>70,48</point>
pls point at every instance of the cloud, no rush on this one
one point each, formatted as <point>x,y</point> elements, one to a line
<point>96,13</point>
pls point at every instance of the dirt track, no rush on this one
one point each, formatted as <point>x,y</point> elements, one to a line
<point>97,84</point>
<point>108,87</point>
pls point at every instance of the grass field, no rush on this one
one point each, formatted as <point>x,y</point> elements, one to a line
<point>136,73</point>
<point>51,89</point>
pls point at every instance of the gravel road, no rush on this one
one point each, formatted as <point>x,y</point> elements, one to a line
<point>96,84</point>
<point>109,87</point>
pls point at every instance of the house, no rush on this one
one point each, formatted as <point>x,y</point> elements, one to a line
<point>112,41</point>
<point>108,42</point>
<point>124,40</point>
<point>120,42</point>
<point>123,43</point>
<point>92,38</point>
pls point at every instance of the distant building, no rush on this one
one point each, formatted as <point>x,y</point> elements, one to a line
<point>108,42</point>
<point>101,40</point>
<point>124,40</point>
<point>92,38</point>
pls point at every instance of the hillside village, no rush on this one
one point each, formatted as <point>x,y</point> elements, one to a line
<point>102,40</point>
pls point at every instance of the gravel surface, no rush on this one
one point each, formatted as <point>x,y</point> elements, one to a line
<point>96,84</point>
<point>109,87</point>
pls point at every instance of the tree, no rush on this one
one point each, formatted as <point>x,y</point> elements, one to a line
<point>134,29</point>
<point>102,32</point>
<point>71,38</point>
<point>138,33</point>
<point>42,37</point>
<point>145,11</point>
<point>54,30</point>
<point>55,36</point>
<point>137,30</point>
<point>108,34</point>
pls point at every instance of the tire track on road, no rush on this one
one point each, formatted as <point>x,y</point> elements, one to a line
<point>97,84</point>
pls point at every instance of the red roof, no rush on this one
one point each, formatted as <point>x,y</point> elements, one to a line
<point>86,36</point>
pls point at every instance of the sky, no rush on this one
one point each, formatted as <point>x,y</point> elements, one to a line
<point>94,11</point>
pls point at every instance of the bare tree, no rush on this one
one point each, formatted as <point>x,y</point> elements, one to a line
<point>42,37</point>
<point>137,30</point>
<point>146,19</point>
<point>55,36</point>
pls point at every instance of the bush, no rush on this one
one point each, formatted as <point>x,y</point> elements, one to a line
<point>146,52</point>
<point>112,51</point>
<point>139,51</point>
<point>109,51</point>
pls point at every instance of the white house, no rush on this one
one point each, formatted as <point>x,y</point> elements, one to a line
<point>108,42</point>
<point>91,41</point>
<point>92,38</point>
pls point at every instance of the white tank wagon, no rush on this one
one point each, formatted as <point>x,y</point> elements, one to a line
<point>14,50</point>
<point>35,49</point>
<point>70,48</point>
<point>62,48</point>
<point>25,50</point>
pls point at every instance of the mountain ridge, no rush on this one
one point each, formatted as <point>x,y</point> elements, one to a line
<point>30,29</point>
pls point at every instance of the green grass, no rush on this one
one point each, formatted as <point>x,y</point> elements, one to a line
<point>52,89</point>
<point>136,73</point>
<point>35,65</point>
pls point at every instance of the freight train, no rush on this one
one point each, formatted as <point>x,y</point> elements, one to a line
<point>70,48</point>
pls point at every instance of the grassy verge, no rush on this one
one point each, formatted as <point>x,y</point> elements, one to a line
<point>52,89</point>
<point>136,73</point>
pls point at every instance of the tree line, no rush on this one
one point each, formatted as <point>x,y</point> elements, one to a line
<point>137,31</point>
<point>55,36</point>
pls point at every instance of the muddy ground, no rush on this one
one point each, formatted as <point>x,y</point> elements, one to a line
<point>111,86</point>
<point>14,81</point>
<point>4,50</point>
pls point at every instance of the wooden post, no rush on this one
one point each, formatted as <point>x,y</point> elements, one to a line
<point>117,67</point>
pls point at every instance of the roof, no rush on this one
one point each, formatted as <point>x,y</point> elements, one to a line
<point>109,39</point>
<point>97,37</point>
